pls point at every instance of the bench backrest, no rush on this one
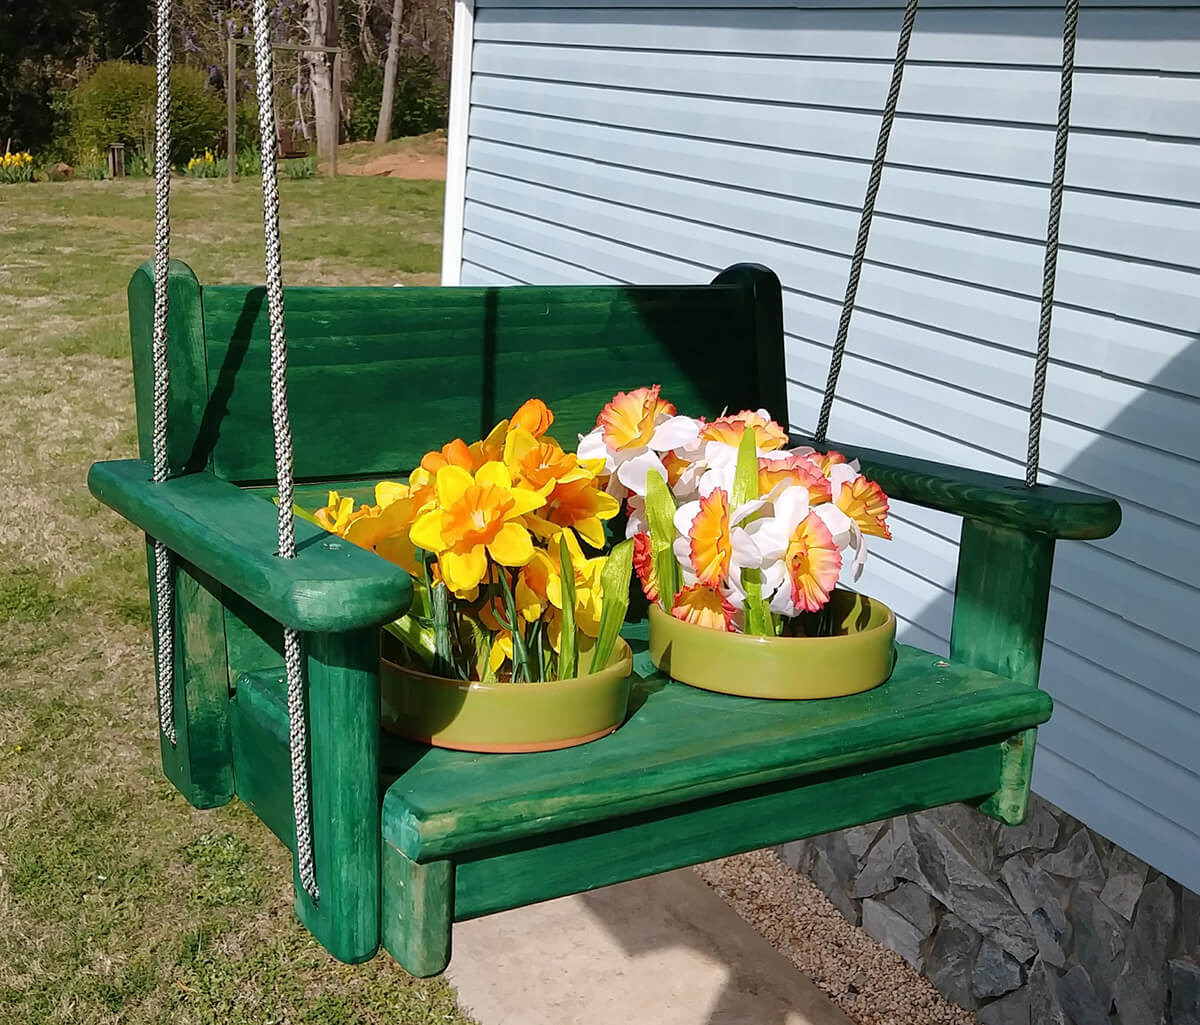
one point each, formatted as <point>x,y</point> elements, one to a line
<point>378,376</point>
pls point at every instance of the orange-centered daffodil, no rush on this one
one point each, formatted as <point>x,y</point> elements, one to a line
<point>476,516</point>
<point>866,504</point>
<point>704,606</point>
<point>768,435</point>
<point>812,562</point>
<point>628,420</point>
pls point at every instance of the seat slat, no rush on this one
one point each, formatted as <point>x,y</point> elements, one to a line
<point>683,744</point>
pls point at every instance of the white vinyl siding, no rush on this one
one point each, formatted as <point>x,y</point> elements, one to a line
<point>612,140</point>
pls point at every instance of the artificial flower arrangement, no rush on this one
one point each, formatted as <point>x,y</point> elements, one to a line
<point>504,540</point>
<point>732,529</point>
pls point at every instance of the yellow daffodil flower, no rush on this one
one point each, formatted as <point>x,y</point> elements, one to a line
<point>476,516</point>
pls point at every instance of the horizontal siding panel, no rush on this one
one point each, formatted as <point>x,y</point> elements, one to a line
<point>817,178</point>
<point>1174,849</point>
<point>811,82</point>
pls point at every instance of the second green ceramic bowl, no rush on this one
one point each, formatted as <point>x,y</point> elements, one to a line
<point>856,657</point>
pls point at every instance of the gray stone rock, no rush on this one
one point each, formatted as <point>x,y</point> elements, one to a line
<point>1099,941</point>
<point>952,959</point>
<point>1079,999</point>
<point>893,930</point>
<point>1039,832</point>
<point>930,857</point>
<point>1183,980</point>
<point>1032,888</point>
<point>878,872</point>
<point>860,838</point>
<point>976,833</point>
<point>914,904</point>
<point>843,864</point>
<point>826,878</point>
<point>996,972</point>
<point>1051,941</point>
<point>1078,860</point>
<point>797,855</point>
<point>1189,922</point>
<point>1045,1005</point>
<point>1126,880</point>
<point>1140,992</point>
<point>1009,1010</point>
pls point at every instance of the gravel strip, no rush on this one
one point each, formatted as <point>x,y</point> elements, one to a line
<point>871,984</point>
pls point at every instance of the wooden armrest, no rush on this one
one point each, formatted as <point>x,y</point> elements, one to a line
<point>1005,501</point>
<point>330,587</point>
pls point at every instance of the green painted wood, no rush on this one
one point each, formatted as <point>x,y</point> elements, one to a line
<point>681,744</point>
<point>999,624</point>
<point>418,907</point>
<point>258,715</point>
<point>765,297</point>
<point>200,763</point>
<point>987,497</point>
<point>343,718</point>
<point>553,865</point>
<point>253,640</point>
<point>186,361</point>
<point>331,585</point>
<point>458,360</point>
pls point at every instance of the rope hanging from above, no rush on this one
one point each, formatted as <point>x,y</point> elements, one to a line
<point>1050,265</point>
<point>293,656</point>
<point>163,573</point>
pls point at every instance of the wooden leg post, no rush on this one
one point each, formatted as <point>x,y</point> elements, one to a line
<point>200,763</point>
<point>418,909</point>
<point>999,623</point>
<point>343,717</point>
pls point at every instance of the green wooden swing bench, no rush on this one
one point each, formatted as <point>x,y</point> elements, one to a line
<point>407,839</point>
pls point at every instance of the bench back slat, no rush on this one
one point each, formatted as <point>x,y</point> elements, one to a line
<point>378,376</point>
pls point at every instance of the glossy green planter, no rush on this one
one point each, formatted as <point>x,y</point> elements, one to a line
<point>858,656</point>
<point>505,717</point>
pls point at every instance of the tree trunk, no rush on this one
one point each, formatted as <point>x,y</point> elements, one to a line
<point>384,130</point>
<point>321,23</point>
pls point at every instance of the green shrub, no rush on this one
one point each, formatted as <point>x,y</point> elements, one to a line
<point>421,101</point>
<point>116,104</point>
<point>298,167</point>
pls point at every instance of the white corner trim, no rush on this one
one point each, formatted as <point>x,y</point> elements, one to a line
<point>456,140</point>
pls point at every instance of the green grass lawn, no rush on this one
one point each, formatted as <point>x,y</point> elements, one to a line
<point>118,902</point>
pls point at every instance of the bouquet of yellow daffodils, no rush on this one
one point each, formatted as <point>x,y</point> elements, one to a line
<point>504,541</point>
<point>732,529</point>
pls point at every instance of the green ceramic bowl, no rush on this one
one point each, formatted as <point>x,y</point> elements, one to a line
<point>505,717</point>
<point>858,656</point>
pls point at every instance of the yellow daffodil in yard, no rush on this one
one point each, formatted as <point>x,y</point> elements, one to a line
<point>476,515</point>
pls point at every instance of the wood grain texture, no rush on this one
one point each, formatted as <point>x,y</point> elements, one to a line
<point>258,713</point>
<point>200,763</point>
<point>459,360</point>
<point>331,585</point>
<point>418,908</point>
<point>343,722</point>
<point>682,744</point>
<point>999,624</point>
<point>547,866</point>
<point>186,362</point>
<point>987,497</point>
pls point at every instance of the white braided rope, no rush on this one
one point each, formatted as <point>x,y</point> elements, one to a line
<point>292,655</point>
<point>1062,132</point>
<point>163,578</point>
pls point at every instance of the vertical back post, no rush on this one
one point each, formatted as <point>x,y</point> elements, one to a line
<point>231,108</point>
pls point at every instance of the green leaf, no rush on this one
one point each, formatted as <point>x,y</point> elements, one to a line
<point>660,511</point>
<point>417,637</point>
<point>520,651</point>
<point>443,653</point>
<point>745,474</point>
<point>614,582</point>
<point>759,620</point>
<point>568,646</point>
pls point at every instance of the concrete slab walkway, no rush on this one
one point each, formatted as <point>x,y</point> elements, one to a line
<point>664,950</point>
